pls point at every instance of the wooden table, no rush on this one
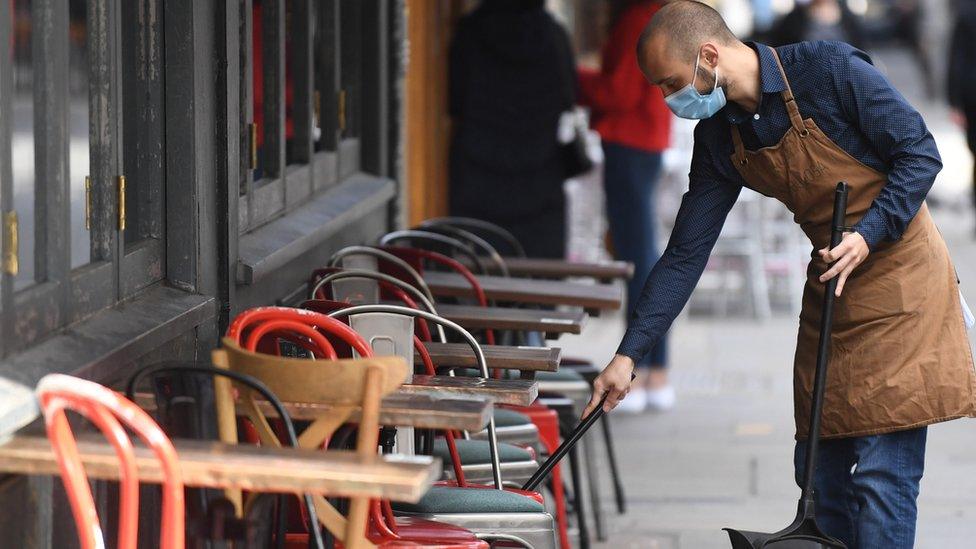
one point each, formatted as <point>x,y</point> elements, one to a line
<point>244,467</point>
<point>559,268</point>
<point>553,323</point>
<point>516,392</point>
<point>401,409</point>
<point>592,297</point>
<point>506,357</point>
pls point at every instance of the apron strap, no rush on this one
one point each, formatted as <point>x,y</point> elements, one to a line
<point>788,99</point>
<point>737,142</point>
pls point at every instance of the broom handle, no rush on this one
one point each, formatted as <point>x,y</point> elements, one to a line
<point>823,350</point>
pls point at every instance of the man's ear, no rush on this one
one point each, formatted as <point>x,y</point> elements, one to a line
<point>709,55</point>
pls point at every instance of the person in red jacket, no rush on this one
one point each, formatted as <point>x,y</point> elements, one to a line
<point>635,125</point>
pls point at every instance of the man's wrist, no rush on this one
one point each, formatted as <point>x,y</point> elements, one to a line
<point>624,359</point>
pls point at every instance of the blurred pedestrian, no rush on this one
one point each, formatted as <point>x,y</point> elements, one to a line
<point>819,20</point>
<point>634,123</point>
<point>961,85</point>
<point>908,16</point>
<point>511,76</point>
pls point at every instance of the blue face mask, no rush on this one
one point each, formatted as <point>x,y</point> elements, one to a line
<point>689,103</point>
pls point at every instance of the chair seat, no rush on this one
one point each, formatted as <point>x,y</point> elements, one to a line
<point>449,499</point>
<point>477,452</point>
<point>505,417</point>
<point>434,535</point>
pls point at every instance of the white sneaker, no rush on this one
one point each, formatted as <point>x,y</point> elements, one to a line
<point>660,399</point>
<point>633,403</point>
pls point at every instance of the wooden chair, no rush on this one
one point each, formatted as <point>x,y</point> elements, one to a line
<point>343,383</point>
<point>109,412</point>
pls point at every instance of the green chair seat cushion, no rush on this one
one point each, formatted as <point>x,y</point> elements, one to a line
<point>450,499</point>
<point>565,374</point>
<point>505,417</point>
<point>476,452</point>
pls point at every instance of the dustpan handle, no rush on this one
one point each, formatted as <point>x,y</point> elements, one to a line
<point>823,350</point>
<point>567,445</point>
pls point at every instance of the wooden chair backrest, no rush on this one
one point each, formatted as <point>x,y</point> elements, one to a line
<point>343,384</point>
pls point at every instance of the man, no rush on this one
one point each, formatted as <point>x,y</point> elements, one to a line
<point>790,123</point>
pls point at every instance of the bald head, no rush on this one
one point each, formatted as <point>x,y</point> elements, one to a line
<point>680,27</point>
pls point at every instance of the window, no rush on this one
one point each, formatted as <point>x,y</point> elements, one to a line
<point>302,78</point>
<point>83,150</point>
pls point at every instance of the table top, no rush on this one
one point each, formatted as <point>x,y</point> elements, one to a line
<point>403,409</point>
<point>516,392</point>
<point>559,268</point>
<point>555,323</point>
<point>507,357</point>
<point>244,467</point>
<point>592,297</point>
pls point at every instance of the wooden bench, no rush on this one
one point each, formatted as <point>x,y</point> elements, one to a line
<point>244,467</point>
<point>516,392</point>
<point>592,297</point>
<point>552,323</point>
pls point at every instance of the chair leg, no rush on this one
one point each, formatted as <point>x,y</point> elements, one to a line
<point>584,531</point>
<point>547,421</point>
<point>618,489</point>
<point>559,495</point>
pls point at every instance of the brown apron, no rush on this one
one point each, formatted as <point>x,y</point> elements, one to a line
<point>900,356</point>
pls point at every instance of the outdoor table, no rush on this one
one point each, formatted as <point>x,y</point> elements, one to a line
<point>552,323</point>
<point>516,392</point>
<point>506,357</point>
<point>241,467</point>
<point>560,268</point>
<point>592,297</point>
<point>400,409</point>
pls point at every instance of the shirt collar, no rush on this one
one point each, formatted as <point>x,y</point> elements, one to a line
<point>770,79</point>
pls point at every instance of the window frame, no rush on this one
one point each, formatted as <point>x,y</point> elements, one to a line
<point>314,169</point>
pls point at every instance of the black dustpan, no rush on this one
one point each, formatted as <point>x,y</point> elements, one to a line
<point>543,471</point>
<point>804,532</point>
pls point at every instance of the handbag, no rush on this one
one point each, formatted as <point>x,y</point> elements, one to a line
<point>575,152</point>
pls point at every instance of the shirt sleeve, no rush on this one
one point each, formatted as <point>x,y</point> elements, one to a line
<point>703,210</point>
<point>899,137</point>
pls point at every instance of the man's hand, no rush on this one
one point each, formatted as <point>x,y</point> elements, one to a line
<point>851,252</point>
<point>613,382</point>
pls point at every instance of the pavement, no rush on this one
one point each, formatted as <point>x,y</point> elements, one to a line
<point>723,456</point>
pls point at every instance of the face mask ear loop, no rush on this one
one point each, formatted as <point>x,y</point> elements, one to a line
<point>715,87</point>
<point>695,75</point>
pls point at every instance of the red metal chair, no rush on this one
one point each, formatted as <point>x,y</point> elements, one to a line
<point>545,420</point>
<point>109,412</point>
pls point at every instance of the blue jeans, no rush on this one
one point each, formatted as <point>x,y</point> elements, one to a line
<point>629,178</point>
<point>865,487</point>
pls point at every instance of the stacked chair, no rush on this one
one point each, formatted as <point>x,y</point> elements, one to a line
<point>350,344</point>
<point>575,377</point>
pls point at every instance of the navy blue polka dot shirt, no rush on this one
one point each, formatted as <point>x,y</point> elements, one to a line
<point>854,105</point>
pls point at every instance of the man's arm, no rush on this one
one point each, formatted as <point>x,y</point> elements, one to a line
<point>670,283</point>
<point>899,136</point>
